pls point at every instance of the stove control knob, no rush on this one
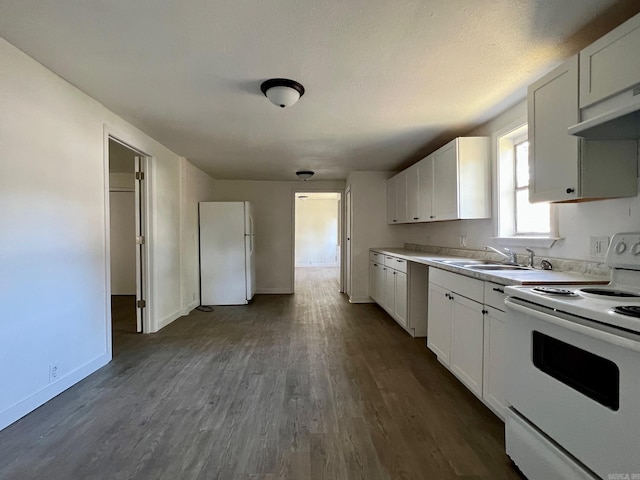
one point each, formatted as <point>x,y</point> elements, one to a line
<point>635,249</point>
<point>621,247</point>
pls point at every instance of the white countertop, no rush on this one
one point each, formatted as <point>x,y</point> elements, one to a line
<point>503,277</point>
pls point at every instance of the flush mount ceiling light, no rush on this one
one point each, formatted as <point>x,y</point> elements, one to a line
<point>282,92</point>
<point>304,174</point>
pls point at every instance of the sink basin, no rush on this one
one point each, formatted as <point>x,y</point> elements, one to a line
<point>469,261</point>
<point>495,267</point>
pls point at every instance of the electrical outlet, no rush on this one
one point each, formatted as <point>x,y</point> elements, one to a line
<point>598,246</point>
<point>53,372</point>
<point>463,240</point>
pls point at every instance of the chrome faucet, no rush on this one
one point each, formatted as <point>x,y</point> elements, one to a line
<point>511,256</point>
<point>532,255</point>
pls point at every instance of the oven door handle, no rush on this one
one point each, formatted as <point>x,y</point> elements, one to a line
<point>586,327</point>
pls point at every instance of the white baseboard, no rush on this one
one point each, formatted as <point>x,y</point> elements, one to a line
<point>163,322</point>
<point>361,300</point>
<point>273,291</point>
<point>45,394</point>
<point>187,310</point>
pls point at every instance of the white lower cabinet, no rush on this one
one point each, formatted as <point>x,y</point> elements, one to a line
<point>466,332</point>
<point>439,327</point>
<point>493,387</point>
<point>494,371</point>
<point>398,286</point>
<point>400,294</point>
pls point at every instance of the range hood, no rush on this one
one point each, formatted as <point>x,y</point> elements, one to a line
<point>619,123</point>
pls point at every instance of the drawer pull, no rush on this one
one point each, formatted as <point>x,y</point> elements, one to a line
<point>499,290</point>
<point>400,261</point>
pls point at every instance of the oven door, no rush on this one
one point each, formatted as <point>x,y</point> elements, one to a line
<point>578,382</point>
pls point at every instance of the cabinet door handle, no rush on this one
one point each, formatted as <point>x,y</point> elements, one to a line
<point>500,290</point>
<point>432,216</point>
<point>400,261</point>
<point>484,312</point>
<point>394,272</point>
<point>416,218</point>
<point>571,190</point>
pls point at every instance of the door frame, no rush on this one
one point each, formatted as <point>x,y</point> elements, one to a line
<point>147,259</point>
<point>341,233</point>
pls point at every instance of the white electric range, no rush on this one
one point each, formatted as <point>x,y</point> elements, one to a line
<point>573,378</point>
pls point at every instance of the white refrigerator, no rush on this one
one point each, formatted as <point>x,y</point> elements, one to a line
<point>227,253</point>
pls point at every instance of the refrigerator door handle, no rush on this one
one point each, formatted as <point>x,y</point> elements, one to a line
<point>250,235</point>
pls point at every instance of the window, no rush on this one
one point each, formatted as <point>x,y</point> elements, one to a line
<point>520,223</point>
<point>529,218</point>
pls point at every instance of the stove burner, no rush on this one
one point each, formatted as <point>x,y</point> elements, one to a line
<point>629,310</point>
<point>610,293</point>
<point>555,291</point>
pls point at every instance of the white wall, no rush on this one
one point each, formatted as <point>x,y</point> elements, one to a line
<point>273,207</point>
<point>54,282</point>
<point>316,232</point>
<point>369,227</point>
<point>123,245</point>
<point>199,187</point>
<point>577,222</point>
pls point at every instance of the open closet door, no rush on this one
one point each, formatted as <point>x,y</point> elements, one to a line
<point>140,243</point>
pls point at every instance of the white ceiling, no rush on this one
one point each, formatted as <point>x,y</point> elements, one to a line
<point>386,81</point>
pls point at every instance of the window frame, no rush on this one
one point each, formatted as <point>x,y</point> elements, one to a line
<point>505,193</point>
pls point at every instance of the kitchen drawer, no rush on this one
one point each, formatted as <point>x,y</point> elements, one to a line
<point>376,257</point>
<point>395,263</point>
<point>460,284</point>
<point>494,295</point>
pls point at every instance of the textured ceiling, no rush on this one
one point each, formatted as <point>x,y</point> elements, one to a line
<point>386,81</point>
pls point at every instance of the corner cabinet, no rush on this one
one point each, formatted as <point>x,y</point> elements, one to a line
<point>398,287</point>
<point>452,183</point>
<point>564,168</point>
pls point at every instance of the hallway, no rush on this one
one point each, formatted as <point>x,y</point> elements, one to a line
<point>303,386</point>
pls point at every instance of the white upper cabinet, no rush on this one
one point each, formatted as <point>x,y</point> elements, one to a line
<point>397,198</point>
<point>413,193</point>
<point>563,167</point>
<point>553,153</point>
<point>452,183</point>
<point>391,201</point>
<point>445,183</point>
<point>610,65</point>
<point>425,188</point>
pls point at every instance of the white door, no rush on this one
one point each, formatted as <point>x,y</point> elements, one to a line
<point>347,263</point>
<point>140,243</point>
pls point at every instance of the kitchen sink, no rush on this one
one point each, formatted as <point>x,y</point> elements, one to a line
<point>495,267</point>
<point>468,261</point>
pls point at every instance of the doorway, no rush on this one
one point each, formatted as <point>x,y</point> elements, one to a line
<point>318,235</point>
<point>127,252</point>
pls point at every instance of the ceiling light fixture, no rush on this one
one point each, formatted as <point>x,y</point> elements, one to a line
<point>304,174</point>
<point>282,92</point>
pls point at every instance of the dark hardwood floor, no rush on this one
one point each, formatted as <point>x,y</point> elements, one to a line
<point>303,386</point>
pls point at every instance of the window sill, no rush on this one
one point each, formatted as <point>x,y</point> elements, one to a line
<point>539,242</point>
